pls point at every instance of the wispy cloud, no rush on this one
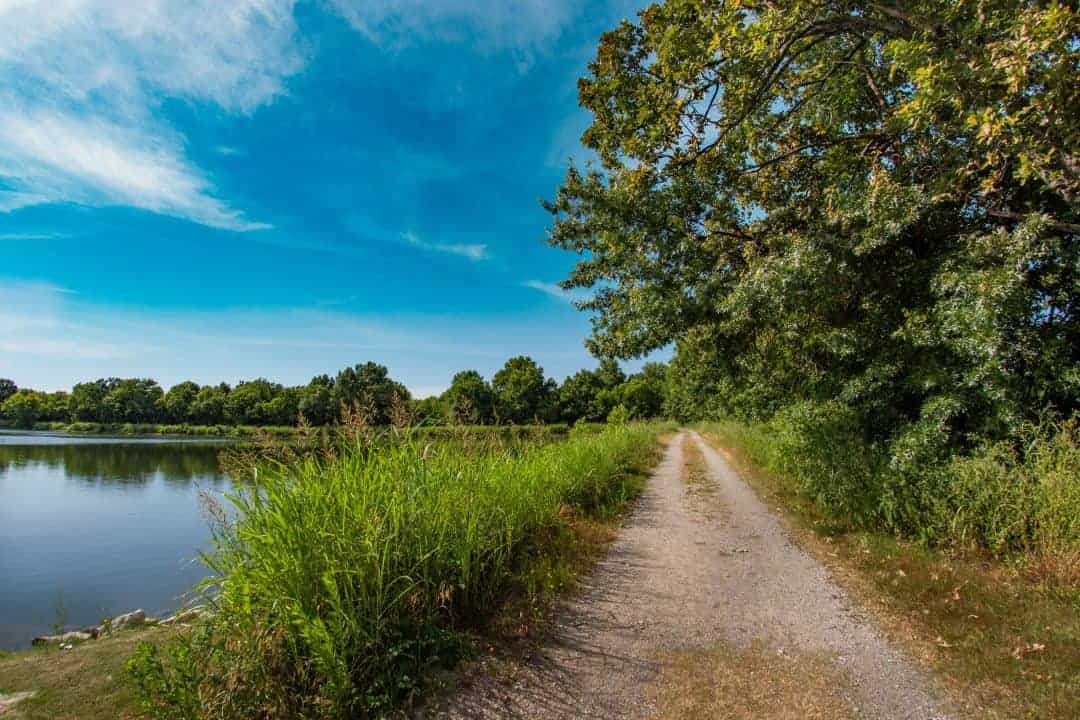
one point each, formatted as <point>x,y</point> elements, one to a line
<point>94,162</point>
<point>81,82</point>
<point>553,290</point>
<point>523,26</point>
<point>472,251</point>
<point>33,236</point>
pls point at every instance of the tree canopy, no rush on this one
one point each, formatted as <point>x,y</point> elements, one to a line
<point>522,393</point>
<point>868,203</point>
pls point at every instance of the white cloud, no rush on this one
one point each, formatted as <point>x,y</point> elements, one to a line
<point>33,236</point>
<point>235,54</point>
<point>94,162</point>
<point>472,251</point>
<point>519,25</point>
<point>81,81</point>
<point>557,292</point>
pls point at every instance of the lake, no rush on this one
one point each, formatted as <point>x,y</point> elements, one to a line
<point>92,527</point>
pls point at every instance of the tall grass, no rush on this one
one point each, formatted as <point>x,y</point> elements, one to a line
<point>1019,496</point>
<point>342,578</point>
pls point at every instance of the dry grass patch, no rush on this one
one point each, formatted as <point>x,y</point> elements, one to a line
<point>755,683</point>
<point>84,683</point>
<point>702,495</point>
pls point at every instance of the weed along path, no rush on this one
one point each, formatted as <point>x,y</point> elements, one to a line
<point>701,608</point>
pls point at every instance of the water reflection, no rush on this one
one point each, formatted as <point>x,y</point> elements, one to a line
<point>93,527</point>
<point>126,463</point>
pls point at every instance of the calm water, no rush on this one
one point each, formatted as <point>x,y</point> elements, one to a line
<point>93,527</point>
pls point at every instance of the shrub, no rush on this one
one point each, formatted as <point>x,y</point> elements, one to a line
<point>1006,497</point>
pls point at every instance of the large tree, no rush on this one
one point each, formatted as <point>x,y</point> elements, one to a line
<point>23,408</point>
<point>870,202</point>
<point>317,401</point>
<point>522,393</point>
<point>370,388</point>
<point>179,400</point>
<point>132,400</point>
<point>470,399</point>
<point>209,405</point>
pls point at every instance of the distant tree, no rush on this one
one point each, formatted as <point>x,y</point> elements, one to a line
<point>87,400</point>
<point>55,407</point>
<point>209,405</point>
<point>643,393</point>
<point>249,402</point>
<point>132,400</point>
<point>317,401</point>
<point>522,394</point>
<point>23,408</point>
<point>579,398</point>
<point>179,401</point>
<point>429,411</point>
<point>7,389</point>
<point>370,387</point>
<point>283,408</point>
<point>470,399</point>
<point>610,374</point>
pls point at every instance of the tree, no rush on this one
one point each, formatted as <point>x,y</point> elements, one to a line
<point>522,394</point>
<point>579,398</point>
<point>23,408</point>
<point>209,405</point>
<point>370,387</point>
<point>470,399</point>
<point>429,411</point>
<point>283,408</point>
<point>7,389</point>
<point>55,407</point>
<point>643,393</point>
<point>856,202</point>
<point>134,400</point>
<point>249,402</point>
<point>87,401</point>
<point>317,401</point>
<point>179,401</point>
<point>610,374</point>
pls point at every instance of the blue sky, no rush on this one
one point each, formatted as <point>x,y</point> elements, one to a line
<point>219,191</point>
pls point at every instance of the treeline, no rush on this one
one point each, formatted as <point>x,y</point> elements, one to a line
<point>519,393</point>
<point>859,225</point>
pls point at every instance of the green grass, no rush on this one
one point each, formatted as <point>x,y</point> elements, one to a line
<point>84,683</point>
<point>1003,630</point>
<point>1019,497</point>
<point>346,578</point>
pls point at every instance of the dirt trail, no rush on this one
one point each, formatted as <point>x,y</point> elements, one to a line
<point>679,580</point>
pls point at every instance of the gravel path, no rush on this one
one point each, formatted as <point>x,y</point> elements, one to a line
<point>676,579</point>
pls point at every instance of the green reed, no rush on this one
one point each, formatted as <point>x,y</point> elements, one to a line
<point>342,578</point>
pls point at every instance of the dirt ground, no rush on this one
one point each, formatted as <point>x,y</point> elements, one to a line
<point>702,608</point>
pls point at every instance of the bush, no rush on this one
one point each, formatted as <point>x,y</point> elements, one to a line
<point>344,578</point>
<point>1005,498</point>
<point>1019,496</point>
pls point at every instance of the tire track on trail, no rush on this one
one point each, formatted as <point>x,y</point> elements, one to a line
<point>728,585</point>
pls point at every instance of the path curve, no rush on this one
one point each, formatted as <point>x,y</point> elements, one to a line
<point>676,579</point>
